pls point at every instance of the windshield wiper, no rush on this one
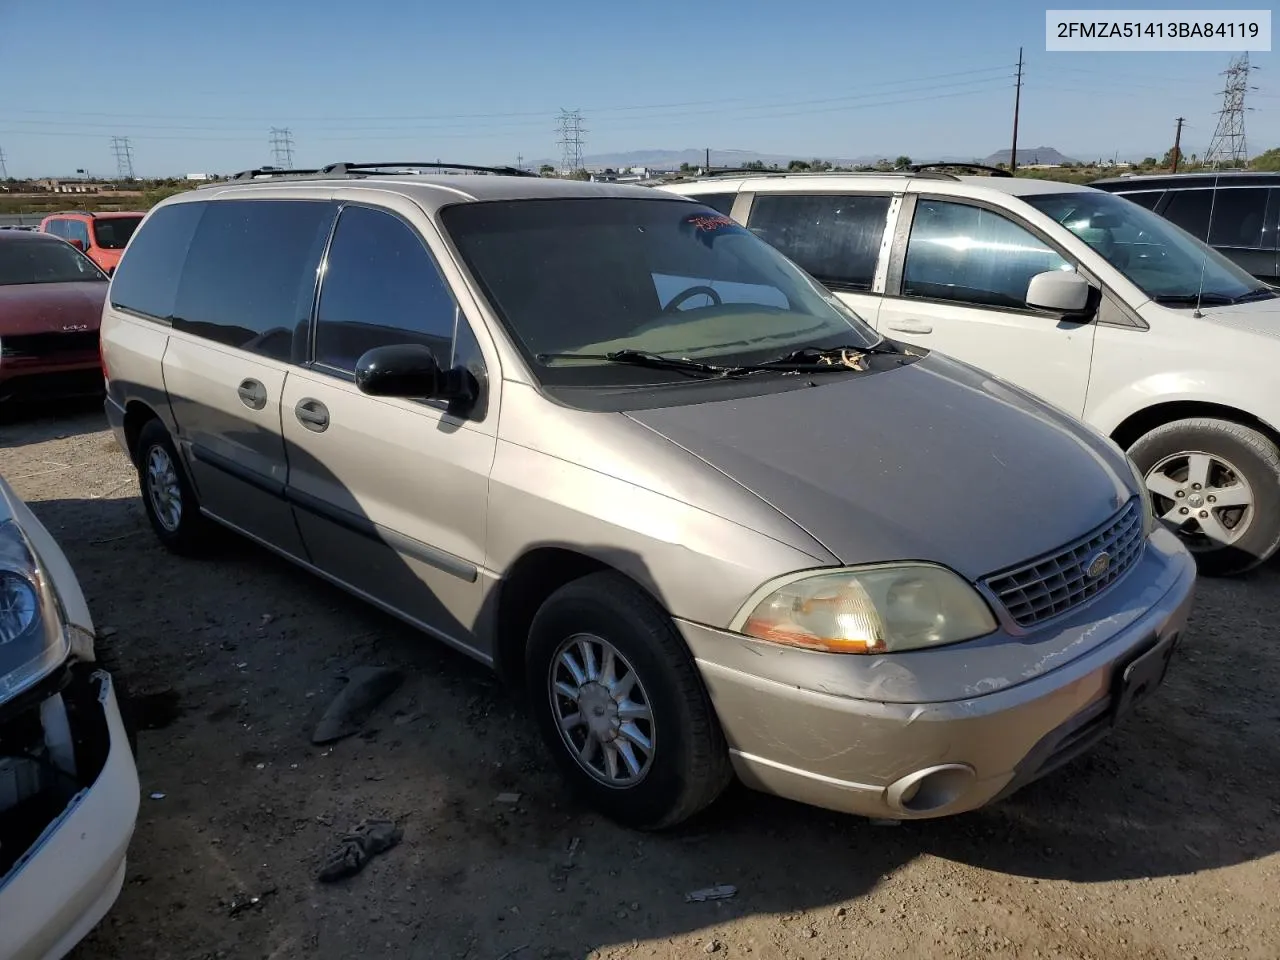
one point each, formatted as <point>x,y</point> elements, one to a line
<point>1262,293</point>
<point>822,357</point>
<point>1191,299</point>
<point>643,358</point>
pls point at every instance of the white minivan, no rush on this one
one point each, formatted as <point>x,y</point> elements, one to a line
<point>1087,299</point>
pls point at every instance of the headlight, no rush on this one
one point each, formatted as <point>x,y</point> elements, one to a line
<point>1148,508</point>
<point>32,641</point>
<point>880,609</point>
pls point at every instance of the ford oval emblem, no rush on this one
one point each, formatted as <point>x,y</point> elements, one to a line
<point>1098,566</point>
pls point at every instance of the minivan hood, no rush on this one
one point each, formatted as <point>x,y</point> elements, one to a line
<point>28,308</point>
<point>933,461</point>
<point>1260,316</point>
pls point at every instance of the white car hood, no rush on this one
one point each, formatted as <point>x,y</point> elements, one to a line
<point>1261,317</point>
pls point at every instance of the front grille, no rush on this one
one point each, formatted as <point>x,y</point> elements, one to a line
<point>1060,582</point>
<point>41,345</point>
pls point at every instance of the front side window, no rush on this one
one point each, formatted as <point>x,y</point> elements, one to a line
<point>78,230</point>
<point>836,239</point>
<point>1189,209</point>
<point>113,233</point>
<point>587,277</point>
<point>970,255</point>
<point>250,273</point>
<point>1166,263</point>
<point>1239,214</point>
<point>56,227</point>
<point>380,287</point>
<point>44,261</point>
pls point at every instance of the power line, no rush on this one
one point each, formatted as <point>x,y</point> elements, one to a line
<point>282,147</point>
<point>1228,145</point>
<point>122,150</point>
<point>571,141</point>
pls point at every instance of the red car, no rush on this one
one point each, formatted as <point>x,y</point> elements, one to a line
<point>102,237</point>
<point>51,298</point>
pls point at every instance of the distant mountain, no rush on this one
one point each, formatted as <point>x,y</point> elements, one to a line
<point>1029,155</point>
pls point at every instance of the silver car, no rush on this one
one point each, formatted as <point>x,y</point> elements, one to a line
<point>607,441</point>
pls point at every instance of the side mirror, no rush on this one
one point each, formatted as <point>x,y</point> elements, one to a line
<point>1059,291</point>
<point>410,370</point>
<point>78,244</point>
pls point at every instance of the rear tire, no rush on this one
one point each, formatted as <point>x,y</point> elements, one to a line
<point>606,628</point>
<point>1233,465</point>
<point>167,495</point>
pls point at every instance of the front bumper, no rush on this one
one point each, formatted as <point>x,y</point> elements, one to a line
<point>800,725</point>
<point>67,880</point>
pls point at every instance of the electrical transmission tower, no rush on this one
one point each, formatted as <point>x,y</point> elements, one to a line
<point>1227,148</point>
<point>4,171</point>
<point>123,152</point>
<point>571,141</point>
<point>282,147</point>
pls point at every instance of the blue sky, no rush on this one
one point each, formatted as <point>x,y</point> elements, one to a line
<point>197,87</point>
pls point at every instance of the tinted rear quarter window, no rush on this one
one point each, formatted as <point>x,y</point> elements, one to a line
<point>146,282</point>
<point>1189,209</point>
<point>719,202</point>
<point>1145,198</point>
<point>250,273</point>
<point>1239,215</point>
<point>836,239</point>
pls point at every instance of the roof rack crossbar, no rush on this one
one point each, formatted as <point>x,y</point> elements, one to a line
<point>994,171</point>
<point>271,172</point>
<point>338,169</point>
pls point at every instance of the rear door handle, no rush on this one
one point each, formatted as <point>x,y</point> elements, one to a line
<point>252,394</point>
<point>312,414</point>
<point>910,326</point>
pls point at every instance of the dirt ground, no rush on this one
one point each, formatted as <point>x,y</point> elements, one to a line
<point>1162,843</point>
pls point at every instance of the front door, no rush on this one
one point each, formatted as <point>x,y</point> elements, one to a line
<point>390,494</point>
<point>961,290</point>
<point>227,359</point>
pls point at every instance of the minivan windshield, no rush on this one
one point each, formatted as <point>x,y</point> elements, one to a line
<point>44,261</point>
<point>577,279</point>
<point>1161,259</point>
<point>113,233</point>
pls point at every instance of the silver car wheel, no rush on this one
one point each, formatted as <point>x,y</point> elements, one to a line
<point>1203,498</point>
<point>602,711</point>
<point>163,489</point>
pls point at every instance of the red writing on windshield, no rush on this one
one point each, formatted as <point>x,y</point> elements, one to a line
<point>703,222</point>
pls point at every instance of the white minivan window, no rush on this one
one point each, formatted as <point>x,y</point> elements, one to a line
<point>1166,263</point>
<point>836,239</point>
<point>972,255</point>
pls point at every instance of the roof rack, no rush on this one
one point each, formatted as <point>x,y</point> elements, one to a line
<point>994,171</point>
<point>907,172</point>
<point>339,169</point>
<point>257,172</point>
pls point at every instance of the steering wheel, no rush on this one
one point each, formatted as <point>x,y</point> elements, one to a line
<point>689,294</point>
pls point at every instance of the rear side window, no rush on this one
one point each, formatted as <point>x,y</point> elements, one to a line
<point>1239,215</point>
<point>973,256</point>
<point>836,239</point>
<point>381,287</point>
<point>1189,209</point>
<point>250,273</point>
<point>1145,198</point>
<point>719,202</point>
<point>146,282</point>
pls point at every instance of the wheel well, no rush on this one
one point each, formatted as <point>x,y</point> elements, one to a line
<point>136,416</point>
<point>531,580</point>
<point>1144,421</point>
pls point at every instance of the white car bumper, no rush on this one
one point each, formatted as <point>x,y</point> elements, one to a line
<point>69,878</point>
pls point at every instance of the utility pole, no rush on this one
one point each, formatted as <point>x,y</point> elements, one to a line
<point>519,161</point>
<point>282,147</point>
<point>1177,144</point>
<point>124,157</point>
<point>1017,103</point>
<point>707,167</point>
<point>4,171</point>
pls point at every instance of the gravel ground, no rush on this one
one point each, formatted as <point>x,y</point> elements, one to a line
<point>1161,843</point>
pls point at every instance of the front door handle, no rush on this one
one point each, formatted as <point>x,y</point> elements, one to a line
<point>910,326</point>
<point>312,414</point>
<point>252,394</point>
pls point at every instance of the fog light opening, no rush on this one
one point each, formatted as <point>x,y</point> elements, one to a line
<point>931,789</point>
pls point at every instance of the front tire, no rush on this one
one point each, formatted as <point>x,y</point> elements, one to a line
<point>167,495</point>
<point>620,705</point>
<point>1216,484</point>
